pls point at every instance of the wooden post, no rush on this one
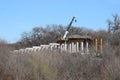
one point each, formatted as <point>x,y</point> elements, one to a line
<point>96,44</point>
<point>101,45</point>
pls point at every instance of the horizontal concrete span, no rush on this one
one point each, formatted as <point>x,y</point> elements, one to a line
<point>73,47</point>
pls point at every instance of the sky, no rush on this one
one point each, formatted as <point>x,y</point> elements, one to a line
<point>18,16</point>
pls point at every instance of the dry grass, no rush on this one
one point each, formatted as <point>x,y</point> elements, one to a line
<point>48,65</point>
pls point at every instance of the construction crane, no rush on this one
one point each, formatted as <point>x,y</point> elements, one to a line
<point>67,31</point>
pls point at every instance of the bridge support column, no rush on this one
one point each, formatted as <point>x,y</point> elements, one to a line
<point>82,48</point>
<point>77,48</point>
<point>87,47</point>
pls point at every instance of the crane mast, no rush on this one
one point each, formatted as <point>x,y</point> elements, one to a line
<point>67,31</point>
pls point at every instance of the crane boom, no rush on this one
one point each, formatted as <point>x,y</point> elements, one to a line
<point>66,32</point>
<point>71,23</point>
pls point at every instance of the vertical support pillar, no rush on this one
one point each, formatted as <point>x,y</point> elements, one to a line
<point>65,46</point>
<point>82,46</point>
<point>86,46</point>
<point>77,49</point>
<point>51,47</point>
<point>70,47</point>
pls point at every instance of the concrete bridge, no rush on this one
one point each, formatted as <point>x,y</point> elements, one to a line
<point>73,44</point>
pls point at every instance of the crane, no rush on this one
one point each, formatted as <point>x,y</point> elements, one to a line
<point>67,31</point>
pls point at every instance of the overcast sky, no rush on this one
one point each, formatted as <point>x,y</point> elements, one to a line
<point>17,16</point>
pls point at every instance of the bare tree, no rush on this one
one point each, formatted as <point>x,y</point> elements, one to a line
<point>114,25</point>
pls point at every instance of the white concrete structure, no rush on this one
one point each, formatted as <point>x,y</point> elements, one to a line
<point>87,50</point>
<point>21,51</point>
<point>75,43</point>
<point>37,48</point>
<point>44,47</point>
<point>82,46</point>
<point>74,47</point>
<point>54,46</point>
<point>77,47</point>
<point>15,51</point>
<point>29,50</point>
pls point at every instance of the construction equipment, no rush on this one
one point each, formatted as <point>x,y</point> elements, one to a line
<point>67,31</point>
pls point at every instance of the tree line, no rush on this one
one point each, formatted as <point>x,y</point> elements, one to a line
<point>50,33</point>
